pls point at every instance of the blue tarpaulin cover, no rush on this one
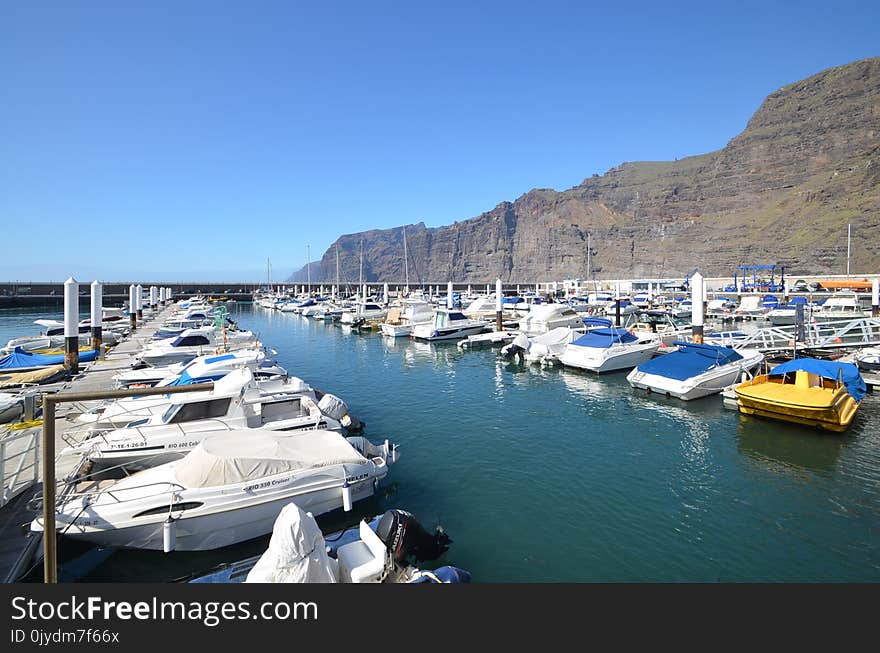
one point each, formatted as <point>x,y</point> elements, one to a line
<point>186,379</point>
<point>604,338</point>
<point>597,322</point>
<point>20,358</point>
<point>849,373</point>
<point>689,360</point>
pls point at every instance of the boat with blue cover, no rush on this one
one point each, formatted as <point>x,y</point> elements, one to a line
<point>691,371</point>
<point>809,391</point>
<point>610,348</point>
<point>24,361</point>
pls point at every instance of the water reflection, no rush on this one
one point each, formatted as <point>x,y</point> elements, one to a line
<point>789,448</point>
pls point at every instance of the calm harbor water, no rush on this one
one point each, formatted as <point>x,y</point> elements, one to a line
<point>557,475</point>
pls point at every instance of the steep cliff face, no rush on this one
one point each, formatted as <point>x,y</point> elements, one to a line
<point>782,191</point>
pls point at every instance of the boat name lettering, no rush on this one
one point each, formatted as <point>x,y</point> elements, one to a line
<point>265,484</point>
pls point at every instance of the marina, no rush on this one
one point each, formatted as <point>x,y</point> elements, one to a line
<point>581,476</point>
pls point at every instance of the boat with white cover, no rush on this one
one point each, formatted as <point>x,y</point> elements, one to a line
<point>608,349</point>
<point>692,371</point>
<point>228,489</point>
<point>547,317</point>
<point>545,348</point>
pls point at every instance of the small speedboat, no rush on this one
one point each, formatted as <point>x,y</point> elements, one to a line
<point>868,360</point>
<point>809,391</point>
<point>383,550</point>
<point>36,376</point>
<point>192,343</point>
<point>400,320</point>
<point>609,349</point>
<point>210,367</point>
<point>11,407</point>
<point>448,324</point>
<point>544,349</point>
<point>227,490</point>
<point>691,371</point>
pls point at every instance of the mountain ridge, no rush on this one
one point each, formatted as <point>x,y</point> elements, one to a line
<point>781,191</point>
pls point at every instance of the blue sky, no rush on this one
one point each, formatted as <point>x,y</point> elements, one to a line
<point>194,140</point>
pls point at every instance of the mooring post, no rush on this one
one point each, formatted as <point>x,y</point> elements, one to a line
<point>132,308</point>
<point>71,326</point>
<point>697,295</point>
<point>450,304</point>
<point>875,298</point>
<point>617,312</point>
<point>139,296</point>
<point>97,315</point>
<point>154,298</point>
<point>385,293</point>
<point>800,335</point>
<point>498,295</point>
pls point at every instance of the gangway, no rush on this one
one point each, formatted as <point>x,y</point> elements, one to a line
<point>864,332</point>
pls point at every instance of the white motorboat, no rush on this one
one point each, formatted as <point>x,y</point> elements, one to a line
<point>546,317</point>
<point>363,311</point>
<point>608,349</point>
<point>192,343</point>
<point>482,307</point>
<point>448,324</point>
<point>840,308</point>
<point>165,438</point>
<point>228,489</point>
<point>230,394</point>
<point>400,320</point>
<point>751,306</point>
<point>209,367</point>
<point>692,371</point>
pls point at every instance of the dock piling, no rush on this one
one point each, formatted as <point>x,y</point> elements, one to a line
<point>71,325</point>
<point>697,307</point>
<point>498,295</point>
<point>97,315</point>
<point>132,308</point>
<point>875,298</point>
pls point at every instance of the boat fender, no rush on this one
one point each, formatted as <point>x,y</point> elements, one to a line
<point>346,497</point>
<point>169,535</point>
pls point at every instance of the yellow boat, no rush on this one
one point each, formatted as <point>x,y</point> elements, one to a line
<point>808,391</point>
<point>55,351</point>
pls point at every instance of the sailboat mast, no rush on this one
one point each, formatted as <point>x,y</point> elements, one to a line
<point>589,256</point>
<point>405,259</point>
<point>309,267</point>
<point>361,274</point>
<point>337,268</point>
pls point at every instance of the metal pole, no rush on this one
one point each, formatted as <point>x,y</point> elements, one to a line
<point>50,564</point>
<point>139,297</point>
<point>875,298</point>
<point>848,241</point>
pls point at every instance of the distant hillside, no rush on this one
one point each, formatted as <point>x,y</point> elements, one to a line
<point>782,191</point>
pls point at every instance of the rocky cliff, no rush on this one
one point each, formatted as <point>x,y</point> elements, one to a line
<point>782,191</point>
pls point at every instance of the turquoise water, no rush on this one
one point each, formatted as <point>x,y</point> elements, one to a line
<point>557,475</point>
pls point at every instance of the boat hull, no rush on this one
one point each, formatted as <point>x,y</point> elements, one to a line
<point>827,410</point>
<point>608,360</point>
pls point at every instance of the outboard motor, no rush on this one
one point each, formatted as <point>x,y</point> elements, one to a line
<point>407,539</point>
<point>334,408</point>
<point>517,348</point>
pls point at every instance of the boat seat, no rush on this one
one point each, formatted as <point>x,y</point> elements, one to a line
<point>362,561</point>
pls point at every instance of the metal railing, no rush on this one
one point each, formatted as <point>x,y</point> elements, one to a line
<point>10,485</point>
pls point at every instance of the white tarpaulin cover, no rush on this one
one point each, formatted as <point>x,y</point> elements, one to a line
<point>296,552</point>
<point>246,454</point>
